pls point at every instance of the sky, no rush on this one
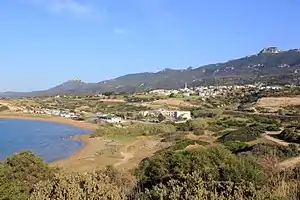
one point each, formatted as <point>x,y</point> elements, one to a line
<point>46,42</point>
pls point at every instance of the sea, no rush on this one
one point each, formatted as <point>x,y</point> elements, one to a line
<point>49,140</point>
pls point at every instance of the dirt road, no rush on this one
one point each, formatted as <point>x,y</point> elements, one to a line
<point>269,136</point>
<point>289,163</point>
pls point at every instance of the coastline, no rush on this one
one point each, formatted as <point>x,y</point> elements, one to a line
<point>83,138</point>
<point>79,124</point>
<point>96,153</point>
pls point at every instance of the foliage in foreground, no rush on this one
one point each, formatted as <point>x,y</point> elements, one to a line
<point>20,172</point>
<point>107,184</point>
<point>204,174</point>
<point>215,163</point>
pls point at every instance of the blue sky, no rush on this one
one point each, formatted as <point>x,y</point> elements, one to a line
<point>46,42</point>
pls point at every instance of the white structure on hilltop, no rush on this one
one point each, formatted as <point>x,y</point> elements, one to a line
<point>185,89</point>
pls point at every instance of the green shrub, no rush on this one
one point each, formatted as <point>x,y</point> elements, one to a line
<point>193,187</point>
<point>236,146</point>
<point>134,129</point>
<point>281,152</point>
<point>19,173</point>
<point>98,185</point>
<point>217,164</point>
<point>245,134</point>
<point>289,135</point>
<point>196,125</point>
<point>173,137</point>
<point>3,108</point>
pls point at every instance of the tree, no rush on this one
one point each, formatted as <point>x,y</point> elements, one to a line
<point>161,117</point>
<point>108,94</point>
<point>172,95</point>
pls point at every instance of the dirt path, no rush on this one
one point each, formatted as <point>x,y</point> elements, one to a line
<point>126,156</point>
<point>289,163</point>
<point>277,141</point>
<point>268,136</point>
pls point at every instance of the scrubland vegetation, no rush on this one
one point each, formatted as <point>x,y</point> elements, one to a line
<point>133,129</point>
<point>222,153</point>
<point>229,169</point>
<point>211,173</point>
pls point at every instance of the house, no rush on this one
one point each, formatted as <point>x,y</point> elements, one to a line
<point>182,115</point>
<point>109,118</point>
<point>167,113</point>
<point>176,114</point>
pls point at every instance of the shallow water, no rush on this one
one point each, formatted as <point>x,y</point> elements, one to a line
<point>49,140</point>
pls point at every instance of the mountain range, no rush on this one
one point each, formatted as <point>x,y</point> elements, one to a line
<point>271,66</point>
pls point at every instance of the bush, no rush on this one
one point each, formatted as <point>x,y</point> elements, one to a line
<point>245,134</point>
<point>265,120</point>
<point>3,108</point>
<point>197,126</point>
<point>289,135</point>
<point>20,172</point>
<point>100,185</point>
<point>231,123</point>
<point>217,164</point>
<point>134,129</point>
<point>173,137</point>
<point>193,187</point>
<point>269,150</point>
<point>236,146</point>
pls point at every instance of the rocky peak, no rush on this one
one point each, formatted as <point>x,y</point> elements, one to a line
<point>75,80</point>
<point>270,50</point>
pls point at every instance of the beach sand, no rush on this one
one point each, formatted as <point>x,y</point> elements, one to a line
<point>97,153</point>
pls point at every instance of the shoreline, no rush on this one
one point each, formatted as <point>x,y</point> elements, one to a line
<point>79,124</point>
<point>83,138</point>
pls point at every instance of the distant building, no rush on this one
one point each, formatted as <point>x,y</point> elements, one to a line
<point>176,114</point>
<point>168,113</point>
<point>109,118</point>
<point>183,115</point>
<point>160,92</point>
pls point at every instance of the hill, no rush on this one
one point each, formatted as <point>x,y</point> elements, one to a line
<point>271,66</point>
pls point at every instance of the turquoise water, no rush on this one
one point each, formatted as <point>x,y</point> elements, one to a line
<point>49,140</point>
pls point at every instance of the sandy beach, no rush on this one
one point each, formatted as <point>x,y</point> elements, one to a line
<point>97,153</point>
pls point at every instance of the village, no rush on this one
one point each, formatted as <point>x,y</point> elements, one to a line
<point>155,115</point>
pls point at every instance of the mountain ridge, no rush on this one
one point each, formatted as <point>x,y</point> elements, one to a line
<point>271,66</point>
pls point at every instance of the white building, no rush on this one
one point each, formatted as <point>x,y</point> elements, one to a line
<point>182,115</point>
<point>176,114</point>
<point>109,118</point>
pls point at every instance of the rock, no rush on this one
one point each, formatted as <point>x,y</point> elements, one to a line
<point>270,50</point>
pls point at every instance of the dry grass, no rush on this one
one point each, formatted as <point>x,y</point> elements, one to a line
<point>277,102</point>
<point>174,103</point>
<point>98,153</point>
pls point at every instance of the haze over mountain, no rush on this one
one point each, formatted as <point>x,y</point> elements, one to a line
<point>271,66</point>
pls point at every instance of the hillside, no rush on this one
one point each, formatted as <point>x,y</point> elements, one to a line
<point>271,65</point>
